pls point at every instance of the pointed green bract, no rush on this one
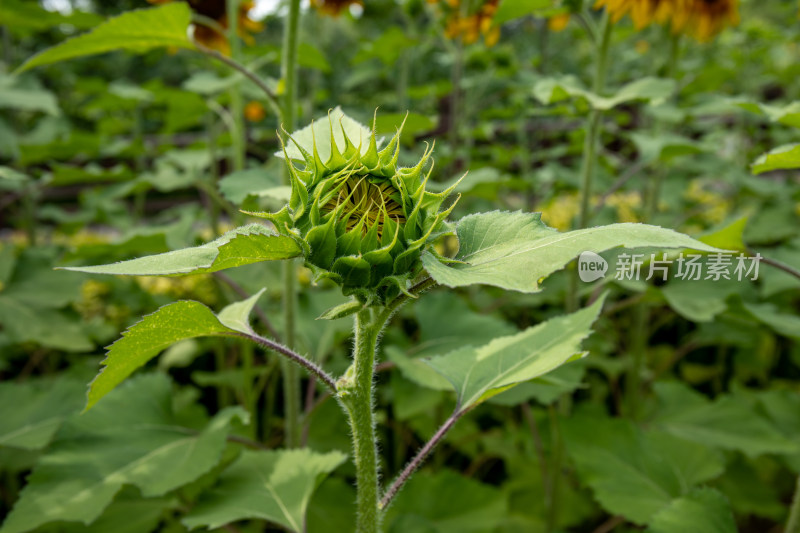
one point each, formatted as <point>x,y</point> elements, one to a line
<point>516,250</point>
<point>249,244</point>
<point>136,31</point>
<point>269,485</point>
<point>133,438</point>
<point>365,219</point>
<point>479,373</point>
<point>158,331</point>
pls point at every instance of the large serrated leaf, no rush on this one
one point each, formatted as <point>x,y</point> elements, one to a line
<point>156,332</point>
<point>633,473</point>
<point>516,250</point>
<point>270,485</point>
<point>132,438</point>
<point>137,31</point>
<point>479,373</point>
<point>249,244</point>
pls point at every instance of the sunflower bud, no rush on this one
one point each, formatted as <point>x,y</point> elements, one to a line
<point>363,220</point>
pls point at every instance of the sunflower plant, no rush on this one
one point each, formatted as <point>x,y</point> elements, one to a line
<point>360,220</point>
<point>371,226</point>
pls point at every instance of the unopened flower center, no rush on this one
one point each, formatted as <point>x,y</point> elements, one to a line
<point>359,199</point>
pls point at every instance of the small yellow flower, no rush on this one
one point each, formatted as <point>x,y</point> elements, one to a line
<point>254,112</point>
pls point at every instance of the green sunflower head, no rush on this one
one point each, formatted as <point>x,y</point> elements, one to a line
<point>362,219</point>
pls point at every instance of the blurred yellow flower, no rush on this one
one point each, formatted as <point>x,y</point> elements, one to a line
<point>702,19</point>
<point>558,22</point>
<point>334,8</point>
<point>561,211</point>
<point>216,10</point>
<point>642,12</point>
<point>715,206</point>
<point>469,26</point>
<point>626,205</point>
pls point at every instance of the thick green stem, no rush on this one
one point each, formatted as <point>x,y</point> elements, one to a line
<point>793,523</point>
<point>362,421</point>
<point>593,123</point>
<point>237,107</point>
<point>589,160</point>
<point>653,194</point>
<point>291,378</point>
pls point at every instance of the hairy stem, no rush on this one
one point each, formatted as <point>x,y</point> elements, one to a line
<point>362,420</point>
<point>272,99</point>
<point>287,352</point>
<point>291,380</point>
<point>418,459</point>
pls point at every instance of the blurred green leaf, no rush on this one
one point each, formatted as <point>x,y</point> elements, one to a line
<point>309,56</point>
<point>126,514</point>
<point>479,373</point>
<point>461,505</point>
<point>40,408</point>
<point>784,157</point>
<point>703,509</point>
<point>26,99</point>
<point>730,237</point>
<point>514,9</point>
<point>787,324</point>
<point>413,124</point>
<point>24,17</point>
<point>788,114</point>
<point>653,90</point>
<point>132,438</point>
<point>633,473</point>
<point>730,422</point>
<point>269,485</point>
<point>136,31</point>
